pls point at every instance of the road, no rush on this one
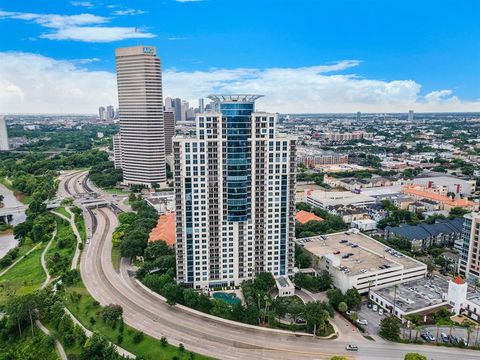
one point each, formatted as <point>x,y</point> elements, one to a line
<point>214,337</point>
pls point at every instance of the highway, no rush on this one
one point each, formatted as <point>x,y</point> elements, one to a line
<point>216,338</point>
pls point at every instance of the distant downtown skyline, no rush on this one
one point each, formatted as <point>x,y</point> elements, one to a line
<point>305,56</point>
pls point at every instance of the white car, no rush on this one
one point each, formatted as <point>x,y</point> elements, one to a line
<point>362,322</point>
<point>380,312</point>
<point>375,308</point>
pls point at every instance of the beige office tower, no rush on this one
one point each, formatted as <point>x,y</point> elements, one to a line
<point>235,196</point>
<point>3,134</point>
<point>139,81</point>
<point>169,120</point>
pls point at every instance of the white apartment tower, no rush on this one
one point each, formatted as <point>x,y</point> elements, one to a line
<point>469,264</point>
<point>235,196</point>
<point>139,81</point>
<point>3,134</point>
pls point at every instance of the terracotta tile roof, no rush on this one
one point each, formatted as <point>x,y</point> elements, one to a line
<point>165,229</point>
<point>420,191</point>
<point>303,217</point>
<point>458,280</point>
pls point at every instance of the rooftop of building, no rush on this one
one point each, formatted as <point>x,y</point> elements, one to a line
<point>413,296</point>
<point>165,229</point>
<point>332,198</point>
<point>368,254</point>
<point>303,217</point>
<point>421,191</point>
<point>245,98</point>
<point>425,231</point>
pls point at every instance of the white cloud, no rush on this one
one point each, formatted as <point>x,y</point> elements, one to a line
<point>97,34</point>
<point>31,83</point>
<point>129,12</point>
<point>81,27</point>
<point>175,38</point>
<point>86,4</point>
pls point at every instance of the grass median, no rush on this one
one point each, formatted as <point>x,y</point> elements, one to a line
<point>88,312</point>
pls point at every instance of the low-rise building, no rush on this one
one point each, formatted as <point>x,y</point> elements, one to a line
<point>419,192</point>
<point>285,286</point>
<point>303,217</point>
<point>357,260</point>
<point>326,199</point>
<point>444,232</point>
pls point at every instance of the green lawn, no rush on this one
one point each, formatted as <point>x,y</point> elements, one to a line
<point>80,223</point>
<point>116,257</point>
<point>6,182</point>
<point>61,210</point>
<point>116,191</point>
<point>25,277</point>
<point>86,309</point>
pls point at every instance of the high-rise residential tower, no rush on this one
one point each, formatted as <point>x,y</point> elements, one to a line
<point>201,106</point>
<point>235,196</point>
<point>469,264</point>
<point>3,134</point>
<point>101,113</point>
<point>142,139</point>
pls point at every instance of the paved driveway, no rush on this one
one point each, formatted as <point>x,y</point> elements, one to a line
<point>372,317</point>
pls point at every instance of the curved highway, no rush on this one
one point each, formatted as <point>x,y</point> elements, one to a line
<point>219,339</point>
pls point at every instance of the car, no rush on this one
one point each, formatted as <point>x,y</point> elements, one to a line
<point>351,347</point>
<point>336,252</point>
<point>428,337</point>
<point>300,320</point>
<point>453,340</point>
<point>380,312</point>
<point>346,233</point>
<point>343,241</point>
<point>444,337</point>
<point>354,245</point>
<point>349,312</point>
<point>362,322</point>
<point>369,305</point>
<point>464,341</point>
<point>375,308</point>
<point>346,256</point>
<point>297,287</point>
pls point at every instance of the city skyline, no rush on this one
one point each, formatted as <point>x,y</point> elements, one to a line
<point>322,64</point>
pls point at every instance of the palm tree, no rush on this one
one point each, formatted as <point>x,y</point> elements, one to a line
<point>417,328</point>
<point>438,328</point>
<point>469,331</point>
<point>476,336</point>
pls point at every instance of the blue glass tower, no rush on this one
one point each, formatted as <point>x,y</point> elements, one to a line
<point>236,111</point>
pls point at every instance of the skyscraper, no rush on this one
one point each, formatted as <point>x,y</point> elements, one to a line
<point>169,121</point>
<point>410,115</point>
<point>117,151</point>
<point>177,104</point>
<point>101,113</point>
<point>3,134</point>
<point>139,81</point>
<point>168,104</point>
<point>201,106</point>
<point>469,264</point>
<point>359,116</point>
<point>235,196</point>
<point>110,113</point>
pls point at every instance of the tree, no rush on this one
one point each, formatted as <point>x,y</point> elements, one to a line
<point>342,307</point>
<point>112,313</point>
<point>353,298</point>
<point>303,206</point>
<point>414,356</point>
<point>338,357</point>
<point>390,328</point>
<point>335,297</point>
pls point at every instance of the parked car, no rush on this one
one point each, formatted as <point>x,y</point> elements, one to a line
<point>428,337</point>
<point>336,252</point>
<point>349,312</point>
<point>362,322</point>
<point>351,347</point>
<point>300,320</point>
<point>444,337</point>
<point>380,312</point>
<point>453,340</point>
<point>375,307</point>
<point>343,241</point>
<point>346,256</point>
<point>464,341</point>
<point>369,305</point>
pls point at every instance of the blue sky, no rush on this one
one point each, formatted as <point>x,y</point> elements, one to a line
<point>304,55</point>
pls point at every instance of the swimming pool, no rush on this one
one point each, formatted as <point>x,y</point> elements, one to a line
<point>229,298</point>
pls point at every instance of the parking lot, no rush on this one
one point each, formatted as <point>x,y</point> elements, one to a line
<point>458,332</point>
<point>372,317</point>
